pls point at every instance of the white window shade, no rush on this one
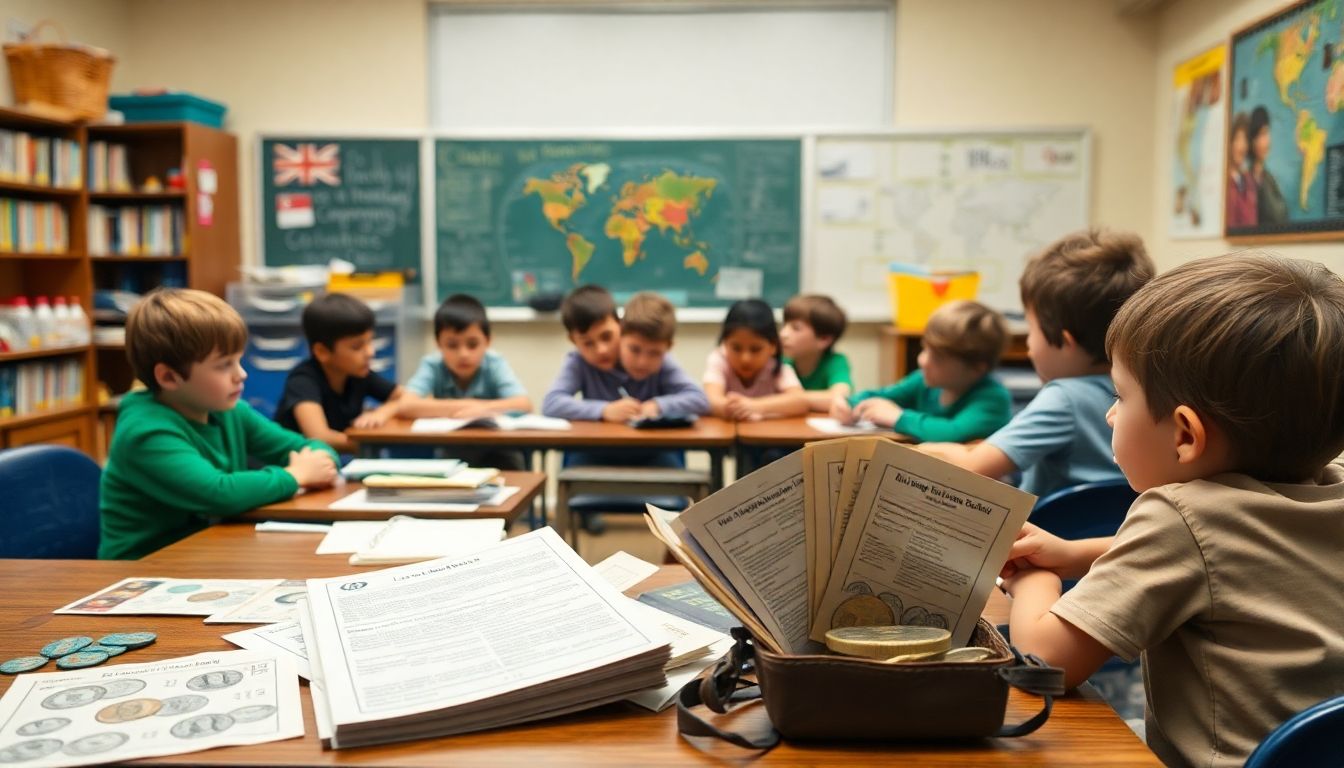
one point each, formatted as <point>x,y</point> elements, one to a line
<point>770,68</point>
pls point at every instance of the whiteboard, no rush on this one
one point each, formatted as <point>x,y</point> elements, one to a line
<point>986,200</point>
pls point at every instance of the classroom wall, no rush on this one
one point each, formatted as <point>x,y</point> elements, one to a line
<point>1184,29</point>
<point>357,65</point>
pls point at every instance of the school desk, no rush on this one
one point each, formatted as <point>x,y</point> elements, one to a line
<point>1082,729</point>
<point>314,506</point>
<point>712,435</point>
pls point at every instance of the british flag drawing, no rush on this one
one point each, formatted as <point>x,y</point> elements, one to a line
<point>307,164</point>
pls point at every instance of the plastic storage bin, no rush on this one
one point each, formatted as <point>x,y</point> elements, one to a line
<point>169,107</point>
<point>916,291</point>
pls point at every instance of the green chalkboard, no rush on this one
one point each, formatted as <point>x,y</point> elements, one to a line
<point>704,222</point>
<point>331,197</point>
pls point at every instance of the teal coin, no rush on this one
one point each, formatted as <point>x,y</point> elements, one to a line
<point>22,664</point>
<point>110,650</point>
<point>81,659</point>
<point>64,646</point>
<point>128,640</point>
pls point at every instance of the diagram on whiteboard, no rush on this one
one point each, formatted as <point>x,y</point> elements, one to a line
<point>986,202</point>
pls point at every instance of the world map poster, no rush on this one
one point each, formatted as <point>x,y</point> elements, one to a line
<point>1285,131</point>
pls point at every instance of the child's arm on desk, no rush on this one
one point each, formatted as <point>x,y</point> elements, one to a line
<point>560,401</point>
<point>1035,630</point>
<point>413,406</point>
<point>380,415</point>
<point>313,424</point>
<point>981,458</point>
<point>819,400</point>
<point>782,405</point>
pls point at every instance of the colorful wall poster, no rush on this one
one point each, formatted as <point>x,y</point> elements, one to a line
<point>1197,166</point>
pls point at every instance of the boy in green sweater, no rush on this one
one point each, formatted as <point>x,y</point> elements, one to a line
<point>951,398</point>
<point>813,323</point>
<point>180,452</point>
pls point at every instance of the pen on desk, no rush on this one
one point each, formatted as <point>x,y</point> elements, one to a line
<point>621,391</point>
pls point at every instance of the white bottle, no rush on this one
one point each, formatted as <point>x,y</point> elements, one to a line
<point>62,333</point>
<point>80,329</point>
<point>45,322</point>
<point>25,323</point>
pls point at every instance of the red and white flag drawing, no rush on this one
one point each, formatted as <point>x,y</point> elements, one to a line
<point>294,210</point>
<point>307,164</point>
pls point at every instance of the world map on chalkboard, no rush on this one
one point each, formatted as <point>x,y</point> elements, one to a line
<point>665,204</point>
<point>704,222</point>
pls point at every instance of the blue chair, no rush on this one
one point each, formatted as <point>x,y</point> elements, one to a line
<point>1085,511</point>
<point>51,503</point>
<point>1309,739</point>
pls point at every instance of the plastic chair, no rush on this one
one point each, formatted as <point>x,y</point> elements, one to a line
<point>1085,511</point>
<point>1309,739</point>
<point>50,507</point>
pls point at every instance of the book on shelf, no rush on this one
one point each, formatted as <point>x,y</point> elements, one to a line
<point>109,168</point>
<point>137,230</point>
<point>518,631</point>
<point>920,542</point>
<point>41,385</point>
<point>33,227</point>
<point>50,161</point>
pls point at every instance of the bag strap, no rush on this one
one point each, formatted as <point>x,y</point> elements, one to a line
<point>720,689</point>
<point>1034,676</point>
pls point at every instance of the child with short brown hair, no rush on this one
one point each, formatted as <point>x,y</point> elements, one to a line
<point>1225,575</point>
<point>180,453</point>
<point>813,323</point>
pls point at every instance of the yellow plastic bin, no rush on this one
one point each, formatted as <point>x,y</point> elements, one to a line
<point>917,290</point>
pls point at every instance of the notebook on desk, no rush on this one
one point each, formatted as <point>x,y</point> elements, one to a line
<point>508,423</point>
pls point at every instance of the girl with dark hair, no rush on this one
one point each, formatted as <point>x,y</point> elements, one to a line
<point>745,377</point>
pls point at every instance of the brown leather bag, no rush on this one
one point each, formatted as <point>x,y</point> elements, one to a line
<point>840,697</point>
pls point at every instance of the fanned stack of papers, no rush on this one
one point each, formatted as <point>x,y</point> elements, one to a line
<point>508,423</point>
<point>856,531</point>
<point>519,631</point>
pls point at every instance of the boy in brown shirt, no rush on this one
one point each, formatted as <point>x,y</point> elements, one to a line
<point>1225,575</point>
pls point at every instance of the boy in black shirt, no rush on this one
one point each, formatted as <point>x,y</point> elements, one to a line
<point>324,395</point>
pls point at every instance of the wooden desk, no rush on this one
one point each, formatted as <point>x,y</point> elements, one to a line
<point>314,505</point>
<point>1082,730</point>
<point>709,434</point>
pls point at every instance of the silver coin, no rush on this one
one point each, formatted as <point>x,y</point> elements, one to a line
<point>201,725</point>
<point>30,750</point>
<point>253,713</point>
<point>118,688</point>
<point>42,727</point>
<point>181,705</point>
<point>214,681</point>
<point>95,743</point>
<point>74,697</point>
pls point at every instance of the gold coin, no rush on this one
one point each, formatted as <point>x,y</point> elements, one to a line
<point>862,611</point>
<point>887,641</point>
<point>126,711</point>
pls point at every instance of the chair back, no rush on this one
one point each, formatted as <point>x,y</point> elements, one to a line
<point>1085,511</point>
<point>50,503</point>
<point>1309,739</point>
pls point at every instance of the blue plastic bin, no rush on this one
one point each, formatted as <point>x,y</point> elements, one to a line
<point>169,107</point>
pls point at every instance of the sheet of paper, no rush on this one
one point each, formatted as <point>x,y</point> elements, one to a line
<point>145,596</point>
<point>833,427</point>
<point>349,536</point>
<point>408,539</point>
<point>317,685</point>
<point>170,707</point>
<point>359,502</point>
<point>623,570</point>
<point>827,459</point>
<point>267,607</point>
<point>857,454</point>
<point>689,640</point>
<point>923,546</point>
<point>285,638</point>
<point>280,526</point>
<point>753,531</point>
<point>415,639</point>
<point>660,698</point>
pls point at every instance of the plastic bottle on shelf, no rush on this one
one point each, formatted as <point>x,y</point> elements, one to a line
<point>61,332</point>
<point>25,323</point>
<point>81,329</point>
<point>45,322</point>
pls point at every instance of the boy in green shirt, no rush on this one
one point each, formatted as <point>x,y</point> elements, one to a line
<point>812,325</point>
<point>180,452</point>
<point>951,398</point>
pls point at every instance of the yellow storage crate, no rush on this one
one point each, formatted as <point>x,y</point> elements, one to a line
<point>917,290</point>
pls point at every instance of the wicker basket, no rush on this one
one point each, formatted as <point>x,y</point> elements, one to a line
<point>72,78</point>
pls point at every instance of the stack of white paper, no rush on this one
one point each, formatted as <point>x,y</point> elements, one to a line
<point>404,539</point>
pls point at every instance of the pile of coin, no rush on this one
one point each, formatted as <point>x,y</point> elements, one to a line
<point>79,651</point>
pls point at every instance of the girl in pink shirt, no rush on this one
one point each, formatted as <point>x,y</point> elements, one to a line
<point>744,377</point>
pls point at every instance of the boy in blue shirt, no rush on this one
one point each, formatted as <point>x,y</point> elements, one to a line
<point>1071,292</point>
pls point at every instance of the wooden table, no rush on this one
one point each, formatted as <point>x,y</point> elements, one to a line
<point>1082,730</point>
<point>713,435</point>
<point>314,506</point>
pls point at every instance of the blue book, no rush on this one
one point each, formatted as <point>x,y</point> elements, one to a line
<point>690,601</point>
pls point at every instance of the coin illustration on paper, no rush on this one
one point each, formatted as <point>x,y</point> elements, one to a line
<point>126,711</point>
<point>43,727</point>
<point>30,750</point>
<point>205,597</point>
<point>251,714</point>
<point>201,725</point>
<point>214,681</point>
<point>95,743</point>
<point>863,609</point>
<point>74,697</point>
<point>181,705</point>
<point>115,689</point>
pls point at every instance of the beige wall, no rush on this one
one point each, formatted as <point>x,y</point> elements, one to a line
<point>1185,29</point>
<point>350,65</point>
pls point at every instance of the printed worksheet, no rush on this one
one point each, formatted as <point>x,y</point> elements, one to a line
<point>144,596</point>
<point>267,607</point>
<point>111,714</point>
<point>285,637</point>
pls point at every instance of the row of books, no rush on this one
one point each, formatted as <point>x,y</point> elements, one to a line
<point>39,386</point>
<point>42,160</point>
<point>109,167</point>
<point>147,230</point>
<point>31,227</point>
